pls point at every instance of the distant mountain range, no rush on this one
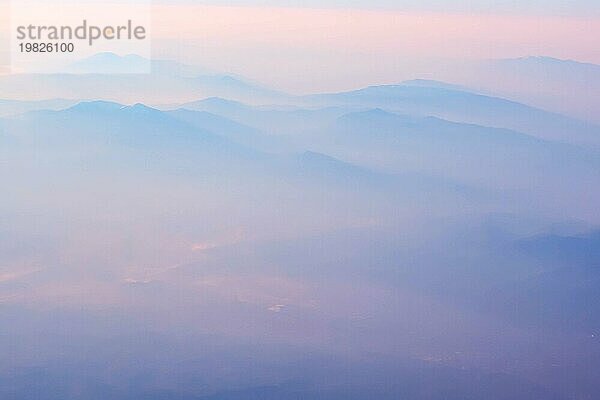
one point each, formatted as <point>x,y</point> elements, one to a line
<point>201,141</point>
<point>463,106</point>
<point>167,81</point>
<point>272,119</point>
<point>563,86</point>
<point>170,82</point>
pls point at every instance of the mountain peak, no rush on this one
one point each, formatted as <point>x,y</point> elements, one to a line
<point>549,61</point>
<point>100,106</point>
<point>96,105</point>
<point>140,108</point>
<point>220,101</point>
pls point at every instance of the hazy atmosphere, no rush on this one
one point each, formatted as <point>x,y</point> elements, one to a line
<point>305,200</point>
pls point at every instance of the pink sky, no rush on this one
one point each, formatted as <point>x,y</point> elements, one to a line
<point>306,50</point>
<point>300,48</point>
